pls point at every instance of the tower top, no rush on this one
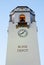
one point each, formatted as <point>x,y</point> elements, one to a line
<point>22,9</point>
<point>22,16</point>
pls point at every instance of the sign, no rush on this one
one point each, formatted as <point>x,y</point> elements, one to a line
<point>22,48</point>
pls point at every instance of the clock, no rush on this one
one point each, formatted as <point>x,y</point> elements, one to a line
<point>22,32</point>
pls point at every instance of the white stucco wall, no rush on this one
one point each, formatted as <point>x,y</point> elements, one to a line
<point>31,57</point>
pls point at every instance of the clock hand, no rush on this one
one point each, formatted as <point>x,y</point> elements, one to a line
<point>22,32</point>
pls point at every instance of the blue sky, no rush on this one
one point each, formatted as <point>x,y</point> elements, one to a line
<point>5,7</point>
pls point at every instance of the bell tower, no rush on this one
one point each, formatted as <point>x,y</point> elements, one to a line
<point>22,48</point>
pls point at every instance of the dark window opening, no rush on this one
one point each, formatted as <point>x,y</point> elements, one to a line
<point>22,18</point>
<point>22,22</point>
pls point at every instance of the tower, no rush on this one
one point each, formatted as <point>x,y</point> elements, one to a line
<point>22,46</point>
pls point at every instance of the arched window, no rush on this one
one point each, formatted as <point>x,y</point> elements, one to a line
<point>22,18</point>
<point>22,22</point>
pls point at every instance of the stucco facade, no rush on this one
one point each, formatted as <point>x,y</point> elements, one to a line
<point>22,50</point>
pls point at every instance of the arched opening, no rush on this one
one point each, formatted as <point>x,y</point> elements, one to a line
<point>22,22</point>
<point>22,18</point>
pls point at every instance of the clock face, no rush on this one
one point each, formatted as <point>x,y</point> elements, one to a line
<point>22,32</point>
